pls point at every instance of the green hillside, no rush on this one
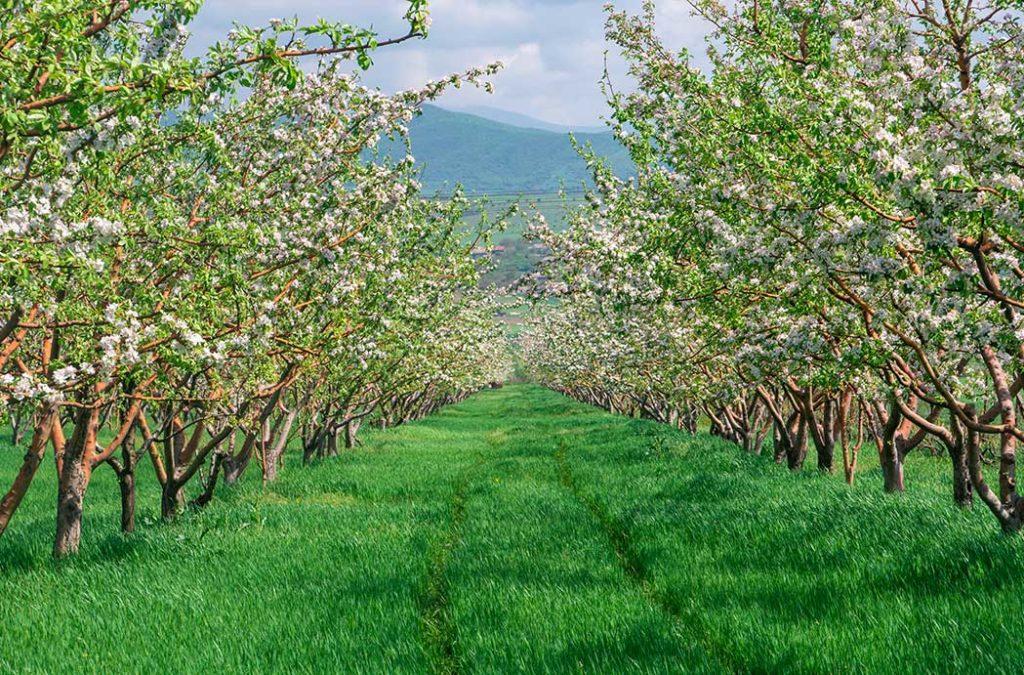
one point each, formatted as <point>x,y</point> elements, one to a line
<point>519,120</point>
<point>488,157</point>
<point>508,162</point>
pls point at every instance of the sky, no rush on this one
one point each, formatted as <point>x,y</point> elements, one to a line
<point>553,50</point>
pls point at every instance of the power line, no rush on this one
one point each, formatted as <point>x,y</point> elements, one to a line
<point>552,196</point>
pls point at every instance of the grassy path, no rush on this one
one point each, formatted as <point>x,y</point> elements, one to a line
<point>522,532</point>
<point>439,629</point>
<point>634,566</point>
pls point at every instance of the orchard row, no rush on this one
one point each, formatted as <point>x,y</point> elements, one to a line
<point>202,260</point>
<point>823,248</point>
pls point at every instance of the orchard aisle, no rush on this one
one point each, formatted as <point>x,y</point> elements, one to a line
<point>520,531</point>
<point>533,581</point>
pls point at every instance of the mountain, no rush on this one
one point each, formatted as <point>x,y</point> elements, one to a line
<point>525,121</point>
<point>494,158</point>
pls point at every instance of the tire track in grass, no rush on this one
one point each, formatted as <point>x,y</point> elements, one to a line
<point>439,632</point>
<point>436,621</point>
<point>634,567</point>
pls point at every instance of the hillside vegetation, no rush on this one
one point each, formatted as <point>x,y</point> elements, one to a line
<point>520,120</point>
<point>520,531</point>
<point>492,158</point>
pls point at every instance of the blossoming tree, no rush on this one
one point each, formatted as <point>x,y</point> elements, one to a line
<point>836,208</point>
<point>188,269</point>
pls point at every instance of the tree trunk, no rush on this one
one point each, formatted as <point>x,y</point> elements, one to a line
<point>780,442</point>
<point>892,468</point>
<point>206,496</point>
<point>891,460</point>
<point>235,465</point>
<point>827,448</point>
<point>796,453</point>
<point>125,470</point>
<point>127,483</point>
<point>826,458</point>
<point>889,455</point>
<point>74,479</point>
<point>963,491</point>
<point>33,458</point>
<point>172,500</point>
<point>17,427</point>
<point>73,483</point>
<point>311,446</point>
<point>1009,519</point>
<point>268,466</point>
<point>691,421</point>
<point>269,472</point>
<point>963,494</point>
<point>351,429</point>
<point>283,431</point>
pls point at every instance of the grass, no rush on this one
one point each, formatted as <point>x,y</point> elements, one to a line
<point>521,531</point>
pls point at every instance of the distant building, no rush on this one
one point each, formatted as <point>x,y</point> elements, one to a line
<point>481,251</point>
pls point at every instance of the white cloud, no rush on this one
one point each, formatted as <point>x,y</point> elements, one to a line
<point>554,50</point>
<point>477,14</point>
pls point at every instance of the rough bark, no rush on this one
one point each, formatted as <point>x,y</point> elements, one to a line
<point>126,480</point>
<point>796,453</point>
<point>235,465</point>
<point>1009,519</point>
<point>953,439</point>
<point>351,431</point>
<point>172,500</point>
<point>17,427</point>
<point>827,448</point>
<point>890,457</point>
<point>211,483</point>
<point>74,479</point>
<point>781,441</point>
<point>283,431</point>
<point>30,464</point>
<point>963,494</point>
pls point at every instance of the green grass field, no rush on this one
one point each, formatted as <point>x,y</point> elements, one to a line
<point>522,532</point>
